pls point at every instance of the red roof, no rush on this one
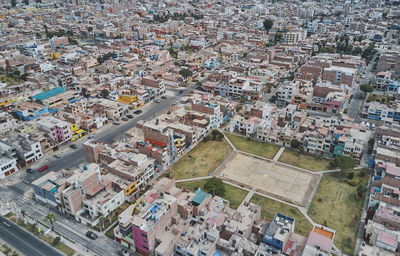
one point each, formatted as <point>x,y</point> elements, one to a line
<point>290,248</point>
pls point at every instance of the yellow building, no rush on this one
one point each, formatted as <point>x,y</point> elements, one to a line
<point>77,133</point>
<point>127,99</point>
<point>130,189</point>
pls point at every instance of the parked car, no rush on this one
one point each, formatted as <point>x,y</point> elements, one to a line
<point>30,170</point>
<point>137,112</point>
<point>74,146</point>
<point>43,168</point>
<point>123,252</point>
<point>91,235</point>
<point>163,97</point>
<point>129,116</point>
<point>181,91</point>
<point>57,156</point>
<point>157,101</point>
<point>116,123</point>
<point>124,119</point>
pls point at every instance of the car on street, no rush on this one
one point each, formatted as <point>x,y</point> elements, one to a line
<point>137,112</point>
<point>57,156</point>
<point>123,252</point>
<point>91,235</point>
<point>124,119</point>
<point>74,146</point>
<point>30,170</point>
<point>116,123</point>
<point>157,101</point>
<point>163,97</point>
<point>181,91</point>
<point>129,116</point>
<point>43,168</point>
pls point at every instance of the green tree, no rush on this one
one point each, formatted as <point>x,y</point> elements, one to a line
<point>104,93</point>
<point>214,186</point>
<point>185,73</point>
<point>268,24</point>
<point>295,144</point>
<point>366,88</point>
<point>56,241</point>
<point>344,163</point>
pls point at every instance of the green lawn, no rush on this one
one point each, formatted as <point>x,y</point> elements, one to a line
<point>336,205</point>
<point>233,194</point>
<point>304,161</point>
<point>9,80</point>
<point>201,160</point>
<point>262,149</point>
<point>270,207</point>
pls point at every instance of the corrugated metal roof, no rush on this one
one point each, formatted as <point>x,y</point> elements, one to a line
<point>49,93</point>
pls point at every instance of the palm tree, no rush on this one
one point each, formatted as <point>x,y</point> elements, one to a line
<point>51,217</point>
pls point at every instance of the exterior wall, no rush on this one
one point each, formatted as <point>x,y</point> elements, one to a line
<point>8,168</point>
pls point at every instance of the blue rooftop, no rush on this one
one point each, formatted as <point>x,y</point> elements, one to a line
<point>200,196</point>
<point>48,94</point>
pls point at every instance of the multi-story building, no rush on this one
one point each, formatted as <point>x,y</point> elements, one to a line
<point>58,130</point>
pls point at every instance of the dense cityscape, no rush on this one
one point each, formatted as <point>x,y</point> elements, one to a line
<point>199,127</point>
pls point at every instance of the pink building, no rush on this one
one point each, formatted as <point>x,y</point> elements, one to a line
<point>58,130</point>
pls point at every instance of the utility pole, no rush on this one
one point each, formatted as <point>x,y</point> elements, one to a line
<point>15,210</point>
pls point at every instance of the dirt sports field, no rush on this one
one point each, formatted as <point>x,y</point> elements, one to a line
<point>286,183</point>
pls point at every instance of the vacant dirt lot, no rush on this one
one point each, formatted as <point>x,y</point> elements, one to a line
<point>274,179</point>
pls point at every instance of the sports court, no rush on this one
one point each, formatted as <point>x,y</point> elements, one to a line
<point>283,182</point>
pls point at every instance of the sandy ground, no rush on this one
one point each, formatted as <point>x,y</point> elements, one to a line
<point>275,179</point>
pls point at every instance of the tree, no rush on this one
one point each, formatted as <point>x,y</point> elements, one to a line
<point>295,144</point>
<point>56,241</point>
<point>13,3</point>
<point>51,217</point>
<point>89,29</point>
<point>104,93</point>
<point>185,73</point>
<point>268,24</point>
<point>214,186</point>
<point>344,163</point>
<point>215,133</point>
<point>360,191</point>
<point>366,88</point>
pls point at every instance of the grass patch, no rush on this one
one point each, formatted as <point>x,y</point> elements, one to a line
<point>8,215</point>
<point>262,149</point>
<point>201,160</point>
<point>384,99</point>
<point>336,205</point>
<point>10,80</point>
<point>270,207</point>
<point>304,161</point>
<point>233,194</point>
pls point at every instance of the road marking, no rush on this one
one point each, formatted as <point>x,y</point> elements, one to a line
<point>5,223</point>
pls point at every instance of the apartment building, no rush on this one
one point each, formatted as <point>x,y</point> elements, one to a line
<point>58,130</point>
<point>8,161</point>
<point>339,75</point>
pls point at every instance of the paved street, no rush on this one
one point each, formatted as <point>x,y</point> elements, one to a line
<point>358,95</point>
<point>23,241</point>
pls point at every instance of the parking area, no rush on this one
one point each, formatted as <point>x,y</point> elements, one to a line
<point>271,178</point>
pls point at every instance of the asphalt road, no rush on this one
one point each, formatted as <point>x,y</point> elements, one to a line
<point>358,95</point>
<point>23,241</point>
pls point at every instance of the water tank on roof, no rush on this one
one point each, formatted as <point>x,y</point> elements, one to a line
<point>85,168</point>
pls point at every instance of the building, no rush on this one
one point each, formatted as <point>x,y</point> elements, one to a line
<point>57,129</point>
